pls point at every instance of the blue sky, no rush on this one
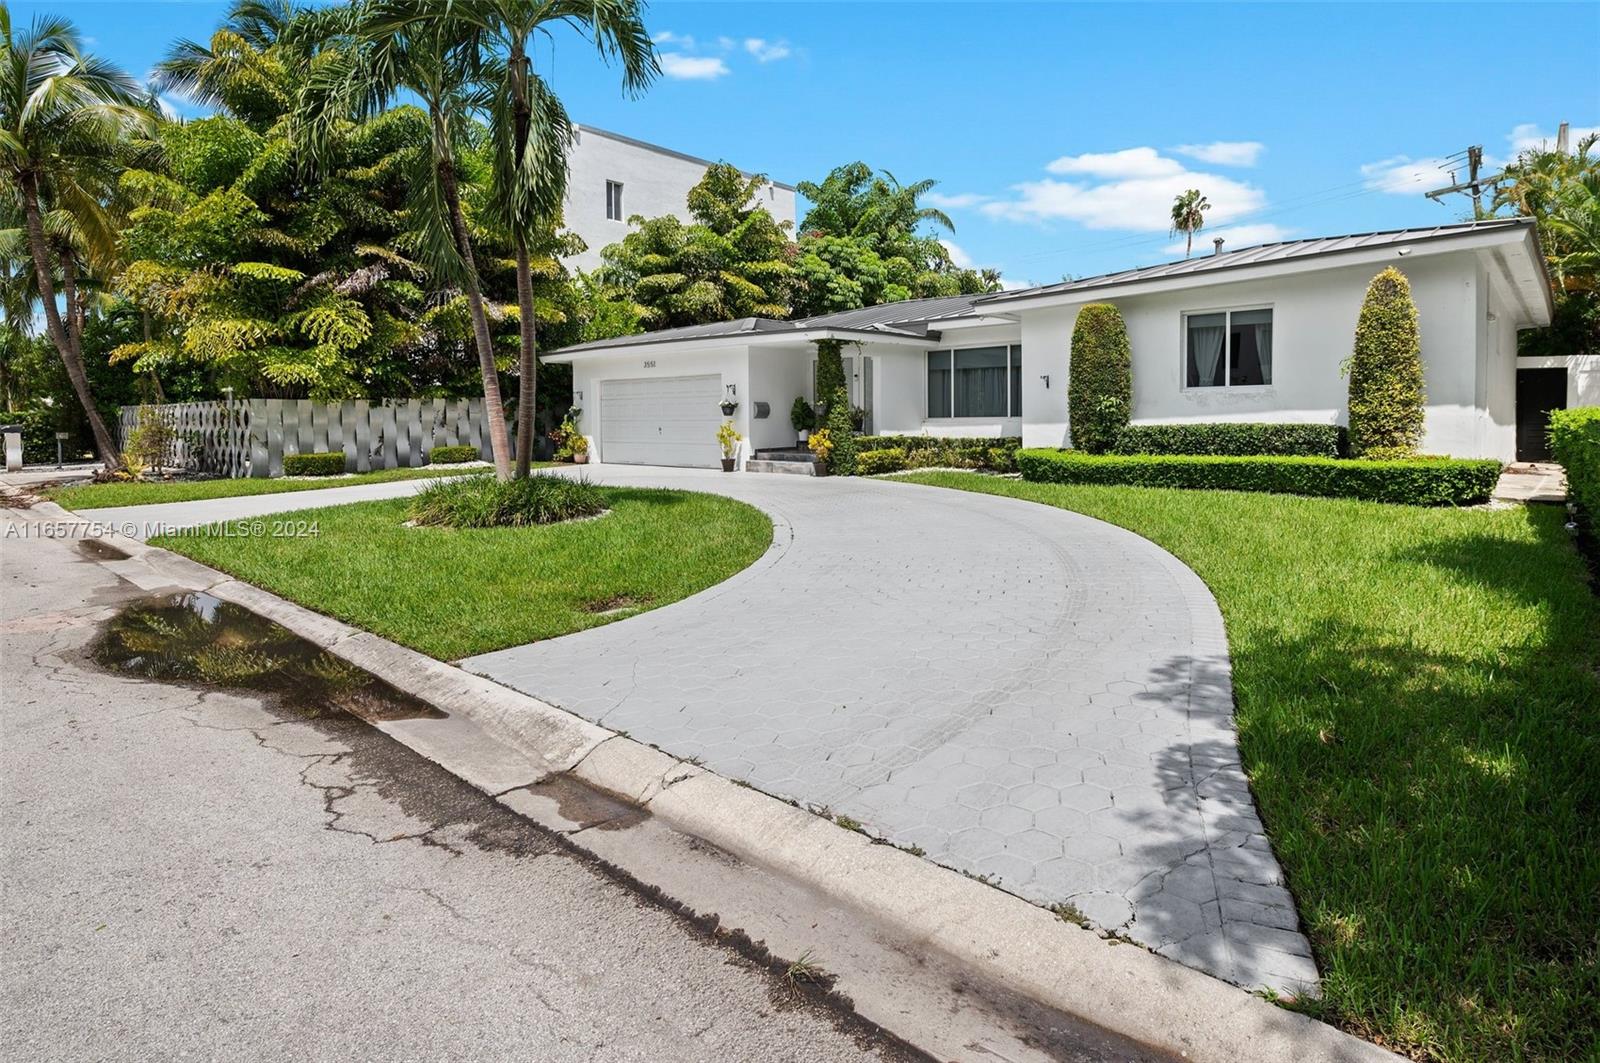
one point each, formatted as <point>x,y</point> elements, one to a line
<point>1059,133</point>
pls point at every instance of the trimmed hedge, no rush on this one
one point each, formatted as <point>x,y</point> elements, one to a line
<point>952,452</point>
<point>452,455</point>
<point>1234,439</point>
<point>1417,481</point>
<point>842,462</point>
<point>313,464</point>
<point>885,459</point>
<point>1575,443</point>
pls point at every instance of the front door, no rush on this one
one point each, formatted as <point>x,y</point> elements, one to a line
<point>1538,392</point>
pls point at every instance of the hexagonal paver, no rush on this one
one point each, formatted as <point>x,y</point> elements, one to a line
<point>1052,710</point>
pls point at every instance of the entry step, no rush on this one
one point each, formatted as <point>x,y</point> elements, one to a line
<point>793,468</point>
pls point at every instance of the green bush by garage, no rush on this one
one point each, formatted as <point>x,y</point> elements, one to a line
<point>313,464</point>
<point>1234,439</point>
<point>452,455</point>
<point>1575,443</point>
<point>1412,481</point>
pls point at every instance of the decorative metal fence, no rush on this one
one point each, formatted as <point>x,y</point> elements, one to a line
<point>250,437</point>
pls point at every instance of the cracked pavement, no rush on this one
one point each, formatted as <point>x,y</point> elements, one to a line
<point>199,873</point>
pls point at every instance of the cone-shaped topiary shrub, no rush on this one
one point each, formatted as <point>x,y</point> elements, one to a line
<point>1385,371</point>
<point>830,370</point>
<point>1099,378</point>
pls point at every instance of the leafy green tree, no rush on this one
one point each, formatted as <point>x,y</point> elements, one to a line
<point>732,261</point>
<point>868,240</point>
<point>1189,217</point>
<point>1385,370</point>
<point>1099,378</point>
<point>64,118</point>
<point>530,134</point>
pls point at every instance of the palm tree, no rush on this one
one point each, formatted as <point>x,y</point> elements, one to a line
<point>529,128</point>
<point>1189,217</point>
<point>392,49</point>
<point>63,117</point>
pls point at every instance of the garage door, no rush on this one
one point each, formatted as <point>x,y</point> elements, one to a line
<point>661,421</point>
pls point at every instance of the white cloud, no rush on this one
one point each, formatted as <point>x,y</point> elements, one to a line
<point>959,201</point>
<point>958,256</point>
<point>169,107</point>
<point>1131,162</point>
<point>692,67</point>
<point>1234,237</point>
<point>1401,175</point>
<point>1225,152</point>
<point>1528,136</point>
<point>1015,286</point>
<point>766,51</point>
<point>1129,189</point>
<point>682,40</point>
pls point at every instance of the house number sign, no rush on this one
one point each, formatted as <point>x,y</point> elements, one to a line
<point>649,363</point>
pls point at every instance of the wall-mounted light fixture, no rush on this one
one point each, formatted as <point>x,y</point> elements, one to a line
<point>1046,378</point>
<point>577,396</point>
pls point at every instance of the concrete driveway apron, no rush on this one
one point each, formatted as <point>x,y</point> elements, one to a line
<point>1025,694</point>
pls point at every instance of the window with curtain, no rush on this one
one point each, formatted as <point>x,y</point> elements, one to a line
<point>1231,348</point>
<point>975,382</point>
<point>938,383</point>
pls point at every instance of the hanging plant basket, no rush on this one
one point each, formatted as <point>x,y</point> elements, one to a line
<point>728,407</point>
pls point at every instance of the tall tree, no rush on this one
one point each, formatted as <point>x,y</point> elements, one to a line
<point>1189,217</point>
<point>530,132</point>
<point>392,50</point>
<point>63,116</point>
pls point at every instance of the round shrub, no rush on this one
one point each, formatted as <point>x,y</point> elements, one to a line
<point>873,462</point>
<point>1385,370</point>
<point>313,464</point>
<point>1099,378</point>
<point>481,501</point>
<point>452,455</point>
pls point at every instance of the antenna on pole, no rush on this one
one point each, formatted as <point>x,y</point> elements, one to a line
<point>1473,185</point>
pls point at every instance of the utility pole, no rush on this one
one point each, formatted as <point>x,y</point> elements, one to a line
<point>1473,185</point>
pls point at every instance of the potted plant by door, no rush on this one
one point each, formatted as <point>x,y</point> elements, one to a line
<point>803,417</point>
<point>580,450</point>
<point>821,444</point>
<point>730,439</point>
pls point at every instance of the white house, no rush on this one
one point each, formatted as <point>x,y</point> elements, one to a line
<point>1256,334</point>
<point>611,177</point>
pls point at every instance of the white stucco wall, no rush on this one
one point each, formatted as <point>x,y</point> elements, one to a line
<point>1468,365</point>
<point>655,182</point>
<point>590,374</point>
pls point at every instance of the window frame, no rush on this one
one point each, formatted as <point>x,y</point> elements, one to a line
<point>1227,368</point>
<point>1013,392</point>
<point>614,200</point>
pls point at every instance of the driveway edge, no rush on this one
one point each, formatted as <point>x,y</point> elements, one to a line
<point>1016,945</point>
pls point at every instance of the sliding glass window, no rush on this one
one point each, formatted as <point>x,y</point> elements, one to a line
<point>1231,348</point>
<point>975,382</point>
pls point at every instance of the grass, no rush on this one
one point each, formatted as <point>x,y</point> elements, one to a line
<point>1418,707</point>
<point>455,592</point>
<point>96,496</point>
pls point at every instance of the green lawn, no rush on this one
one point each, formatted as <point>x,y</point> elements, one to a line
<point>96,496</point>
<point>452,593</point>
<point>1418,707</point>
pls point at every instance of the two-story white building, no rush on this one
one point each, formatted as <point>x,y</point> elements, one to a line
<point>1255,334</point>
<point>611,177</point>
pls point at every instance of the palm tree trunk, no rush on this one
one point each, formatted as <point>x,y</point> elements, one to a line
<point>528,380</point>
<point>71,356</point>
<point>493,407</point>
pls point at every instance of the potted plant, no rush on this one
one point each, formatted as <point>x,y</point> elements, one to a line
<point>730,439</point>
<point>821,444</point>
<point>580,450</point>
<point>803,417</point>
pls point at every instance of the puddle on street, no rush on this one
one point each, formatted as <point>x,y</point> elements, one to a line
<point>198,638</point>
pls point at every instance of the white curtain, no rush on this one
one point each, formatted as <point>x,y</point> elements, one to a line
<point>1205,345</point>
<point>1264,351</point>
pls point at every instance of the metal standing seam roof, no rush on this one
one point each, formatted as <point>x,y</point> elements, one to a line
<point>912,317</point>
<point>1262,254</point>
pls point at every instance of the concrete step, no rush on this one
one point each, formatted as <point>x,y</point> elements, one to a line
<point>786,455</point>
<point>794,468</point>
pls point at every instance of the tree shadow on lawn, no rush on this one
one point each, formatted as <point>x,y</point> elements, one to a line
<point>1437,810</point>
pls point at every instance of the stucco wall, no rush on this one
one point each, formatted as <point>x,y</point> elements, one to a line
<point>589,377</point>
<point>655,182</point>
<point>777,376</point>
<point>1314,319</point>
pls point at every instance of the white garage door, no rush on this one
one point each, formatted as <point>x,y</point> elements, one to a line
<point>661,421</point>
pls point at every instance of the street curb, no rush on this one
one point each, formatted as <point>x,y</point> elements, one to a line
<point>1023,948</point>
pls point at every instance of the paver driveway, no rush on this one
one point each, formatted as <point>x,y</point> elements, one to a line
<point>1023,693</point>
